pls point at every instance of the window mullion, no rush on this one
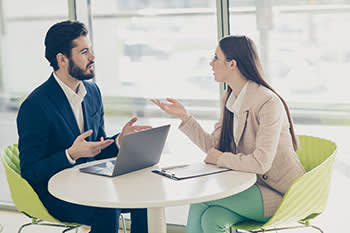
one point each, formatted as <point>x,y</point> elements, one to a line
<point>223,27</point>
<point>81,10</point>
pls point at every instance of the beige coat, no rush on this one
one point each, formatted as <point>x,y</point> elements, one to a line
<point>264,144</point>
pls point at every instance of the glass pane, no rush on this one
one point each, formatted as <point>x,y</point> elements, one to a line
<point>303,49</point>
<point>242,18</point>
<point>308,62</point>
<point>147,49</point>
<point>23,65</point>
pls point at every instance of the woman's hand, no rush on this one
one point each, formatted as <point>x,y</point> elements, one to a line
<point>173,108</point>
<point>213,156</point>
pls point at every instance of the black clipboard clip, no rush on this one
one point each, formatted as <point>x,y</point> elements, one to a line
<point>166,174</point>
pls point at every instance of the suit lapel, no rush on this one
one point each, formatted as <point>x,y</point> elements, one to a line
<point>58,97</point>
<point>88,109</point>
<point>87,118</point>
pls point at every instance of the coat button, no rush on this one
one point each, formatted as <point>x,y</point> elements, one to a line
<point>265,177</point>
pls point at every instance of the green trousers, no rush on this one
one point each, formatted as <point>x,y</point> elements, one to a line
<point>219,215</point>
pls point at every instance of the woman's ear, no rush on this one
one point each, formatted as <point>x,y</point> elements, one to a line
<point>233,64</point>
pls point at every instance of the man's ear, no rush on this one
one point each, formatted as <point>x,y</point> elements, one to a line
<point>61,59</point>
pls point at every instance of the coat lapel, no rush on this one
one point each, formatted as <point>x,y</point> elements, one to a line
<point>57,96</point>
<point>242,122</point>
<point>244,111</point>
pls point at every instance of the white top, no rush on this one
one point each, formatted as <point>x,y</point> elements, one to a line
<point>234,104</point>
<point>144,189</point>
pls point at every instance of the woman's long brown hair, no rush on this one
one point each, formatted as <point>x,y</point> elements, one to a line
<point>243,50</point>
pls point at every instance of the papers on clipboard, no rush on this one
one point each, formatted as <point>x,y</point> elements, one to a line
<point>189,170</point>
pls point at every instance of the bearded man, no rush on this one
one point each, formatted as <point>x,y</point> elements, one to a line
<point>61,125</point>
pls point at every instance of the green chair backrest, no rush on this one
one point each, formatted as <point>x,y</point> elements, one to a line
<point>22,194</point>
<point>313,151</point>
<point>307,197</point>
<point>11,158</point>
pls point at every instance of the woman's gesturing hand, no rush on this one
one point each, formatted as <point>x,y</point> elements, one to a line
<point>174,108</point>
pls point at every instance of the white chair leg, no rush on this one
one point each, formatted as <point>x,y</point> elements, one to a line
<point>123,222</point>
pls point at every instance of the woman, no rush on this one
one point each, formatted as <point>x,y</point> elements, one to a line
<point>255,134</point>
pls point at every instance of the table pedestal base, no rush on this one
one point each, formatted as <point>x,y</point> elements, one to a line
<point>156,220</point>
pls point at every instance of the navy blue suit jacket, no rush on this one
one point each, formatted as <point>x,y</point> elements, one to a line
<point>47,127</point>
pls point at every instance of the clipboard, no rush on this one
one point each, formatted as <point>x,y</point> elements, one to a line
<point>189,171</point>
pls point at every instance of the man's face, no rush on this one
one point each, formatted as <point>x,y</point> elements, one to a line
<point>81,61</point>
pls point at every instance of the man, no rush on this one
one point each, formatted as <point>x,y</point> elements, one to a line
<point>61,124</point>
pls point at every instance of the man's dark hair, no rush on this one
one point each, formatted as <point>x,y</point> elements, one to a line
<point>59,39</point>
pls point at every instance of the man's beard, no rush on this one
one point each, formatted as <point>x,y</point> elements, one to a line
<point>78,73</point>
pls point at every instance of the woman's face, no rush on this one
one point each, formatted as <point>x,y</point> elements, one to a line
<point>220,66</point>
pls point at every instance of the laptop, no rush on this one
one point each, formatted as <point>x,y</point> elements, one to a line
<point>137,150</point>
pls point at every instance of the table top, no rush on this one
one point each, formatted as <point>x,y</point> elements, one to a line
<point>144,189</point>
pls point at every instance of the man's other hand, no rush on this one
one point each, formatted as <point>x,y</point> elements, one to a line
<point>82,148</point>
<point>130,128</point>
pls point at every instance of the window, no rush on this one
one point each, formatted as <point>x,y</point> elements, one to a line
<point>22,43</point>
<point>303,49</point>
<point>23,26</point>
<point>155,49</point>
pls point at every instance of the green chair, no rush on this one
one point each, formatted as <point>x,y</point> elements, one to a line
<point>24,197</point>
<point>1,228</point>
<point>307,196</point>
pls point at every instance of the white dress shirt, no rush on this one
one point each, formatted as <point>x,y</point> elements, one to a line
<point>75,99</point>
<point>234,104</point>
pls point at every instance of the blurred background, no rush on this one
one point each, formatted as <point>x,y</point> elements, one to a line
<point>162,48</point>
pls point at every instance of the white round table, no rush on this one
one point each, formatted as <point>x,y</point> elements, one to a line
<point>145,189</point>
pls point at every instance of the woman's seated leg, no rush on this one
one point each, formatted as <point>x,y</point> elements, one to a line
<point>219,220</point>
<point>245,205</point>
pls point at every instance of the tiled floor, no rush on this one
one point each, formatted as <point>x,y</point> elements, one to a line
<point>334,219</point>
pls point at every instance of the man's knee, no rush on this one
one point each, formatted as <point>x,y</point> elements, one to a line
<point>105,220</point>
<point>139,212</point>
<point>139,220</point>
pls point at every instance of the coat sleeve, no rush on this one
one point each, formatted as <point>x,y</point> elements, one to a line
<point>33,130</point>
<point>270,117</point>
<point>194,131</point>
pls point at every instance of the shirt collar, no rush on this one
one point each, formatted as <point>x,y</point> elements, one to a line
<point>233,104</point>
<point>70,94</point>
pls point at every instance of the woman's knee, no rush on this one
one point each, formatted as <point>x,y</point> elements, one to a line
<point>218,219</point>
<point>196,210</point>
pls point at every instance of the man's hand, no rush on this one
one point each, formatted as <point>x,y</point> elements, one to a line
<point>82,148</point>
<point>213,156</point>
<point>130,128</point>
